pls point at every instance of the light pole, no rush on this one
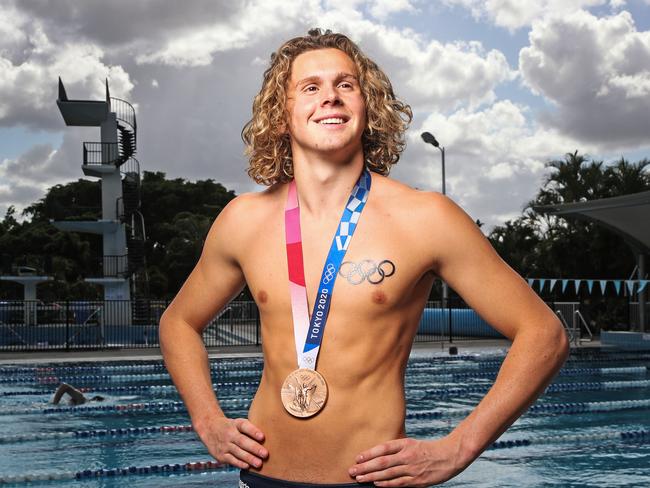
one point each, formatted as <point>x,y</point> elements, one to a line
<point>429,138</point>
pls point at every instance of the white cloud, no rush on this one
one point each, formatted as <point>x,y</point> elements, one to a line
<point>515,14</point>
<point>189,124</point>
<point>25,178</point>
<point>495,158</point>
<point>427,73</point>
<point>432,74</point>
<point>30,65</point>
<point>254,23</point>
<point>632,86</point>
<point>382,9</point>
<point>597,73</point>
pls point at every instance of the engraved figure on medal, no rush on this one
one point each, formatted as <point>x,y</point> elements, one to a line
<point>304,393</point>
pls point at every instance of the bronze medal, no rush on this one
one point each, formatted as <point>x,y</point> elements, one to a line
<point>304,392</point>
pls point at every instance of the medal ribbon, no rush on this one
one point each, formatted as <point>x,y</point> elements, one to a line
<point>308,333</point>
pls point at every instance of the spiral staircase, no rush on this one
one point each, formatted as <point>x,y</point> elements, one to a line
<point>122,268</point>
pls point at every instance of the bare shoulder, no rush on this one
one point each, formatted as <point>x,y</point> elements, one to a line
<point>433,222</point>
<point>414,205</point>
<point>247,204</point>
<point>242,219</point>
<point>247,209</point>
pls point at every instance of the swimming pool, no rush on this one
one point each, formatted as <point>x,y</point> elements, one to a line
<point>591,428</point>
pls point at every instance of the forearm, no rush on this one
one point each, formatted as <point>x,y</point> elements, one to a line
<point>186,360</point>
<point>534,358</point>
<point>59,393</point>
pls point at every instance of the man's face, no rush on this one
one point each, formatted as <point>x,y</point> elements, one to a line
<point>326,110</point>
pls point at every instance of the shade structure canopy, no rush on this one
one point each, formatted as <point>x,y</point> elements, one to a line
<point>627,215</point>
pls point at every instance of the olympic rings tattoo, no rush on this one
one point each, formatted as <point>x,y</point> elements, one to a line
<point>357,273</point>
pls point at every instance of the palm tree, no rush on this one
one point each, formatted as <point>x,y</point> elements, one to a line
<point>572,248</point>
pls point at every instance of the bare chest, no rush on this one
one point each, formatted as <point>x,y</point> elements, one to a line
<point>380,271</point>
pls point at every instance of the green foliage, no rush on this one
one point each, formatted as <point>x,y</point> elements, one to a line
<point>79,200</point>
<point>541,246</point>
<point>177,215</point>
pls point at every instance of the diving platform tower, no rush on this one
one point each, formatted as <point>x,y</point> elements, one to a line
<point>121,268</point>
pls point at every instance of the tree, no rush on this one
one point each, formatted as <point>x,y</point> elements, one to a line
<point>177,215</point>
<point>540,245</point>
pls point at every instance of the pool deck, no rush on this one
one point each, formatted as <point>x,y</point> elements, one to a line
<point>463,347</point>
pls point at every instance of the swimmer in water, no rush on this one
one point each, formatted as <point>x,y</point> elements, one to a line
<point>76,397</point>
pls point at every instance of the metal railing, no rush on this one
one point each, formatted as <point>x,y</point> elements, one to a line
<point>101,153</point>
<point>125,112</point>
<point>570,331</point>
<point>455,322</point>
<point>635,317</point>
<point>116,266</point>
<point>76,324</point>
<point>585,325</point>
<point>574,331</point>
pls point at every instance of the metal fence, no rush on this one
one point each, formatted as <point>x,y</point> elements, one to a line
<point>635,316</point>
<point>67,325</point>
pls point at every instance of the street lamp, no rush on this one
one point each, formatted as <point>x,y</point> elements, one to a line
<point>429,138</point>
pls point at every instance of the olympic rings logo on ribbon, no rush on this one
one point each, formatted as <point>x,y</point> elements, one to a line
<point>330,272</point>
<point>367,269</point>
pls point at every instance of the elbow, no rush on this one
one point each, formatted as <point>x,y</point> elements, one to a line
<point>560,343</point>
<point>163,330</point>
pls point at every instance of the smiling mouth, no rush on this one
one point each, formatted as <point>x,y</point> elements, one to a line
<point>333,120</point>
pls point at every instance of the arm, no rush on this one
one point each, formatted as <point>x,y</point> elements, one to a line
<point>468,263</point>
<point>215,280</point>
<point>77,397</point>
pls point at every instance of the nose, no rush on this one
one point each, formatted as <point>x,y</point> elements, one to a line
<point>330,96</point>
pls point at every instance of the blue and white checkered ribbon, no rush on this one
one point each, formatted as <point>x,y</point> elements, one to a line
<point>340,244</point>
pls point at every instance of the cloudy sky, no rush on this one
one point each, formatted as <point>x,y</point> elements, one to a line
<point>504,85</point>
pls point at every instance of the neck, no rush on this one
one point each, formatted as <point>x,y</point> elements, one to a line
<point>324,188</point>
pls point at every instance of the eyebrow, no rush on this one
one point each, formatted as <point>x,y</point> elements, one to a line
<point>339,76</point>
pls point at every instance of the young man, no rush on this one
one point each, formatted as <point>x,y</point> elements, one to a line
<point>326,112</point>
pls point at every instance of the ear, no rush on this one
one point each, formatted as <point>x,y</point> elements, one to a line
<point>283,128</point>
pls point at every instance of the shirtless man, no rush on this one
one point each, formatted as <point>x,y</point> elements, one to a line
<point>324,113</point>
<point>76,397</point>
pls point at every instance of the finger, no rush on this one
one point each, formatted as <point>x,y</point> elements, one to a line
<point>402,481</point>
<point>249,445</point>
<point>390,447</point>
<point>376,465</point>
<point>389,474</point>
<point>245,426</point>
<point>233,461</point>
<point>245,456</point>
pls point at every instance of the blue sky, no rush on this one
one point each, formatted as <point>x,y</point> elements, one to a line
<point>505,85</point>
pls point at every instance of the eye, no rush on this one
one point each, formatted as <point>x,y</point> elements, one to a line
<point>345,84</point>
<point>310,88</point>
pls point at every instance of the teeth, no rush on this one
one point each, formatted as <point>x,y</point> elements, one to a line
<point>332,120</point>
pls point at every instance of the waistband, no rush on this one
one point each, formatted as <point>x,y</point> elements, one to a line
<point>248,479</point>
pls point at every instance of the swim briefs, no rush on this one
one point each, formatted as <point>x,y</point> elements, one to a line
<point>254,480</point>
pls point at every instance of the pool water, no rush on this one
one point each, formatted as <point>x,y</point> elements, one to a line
<point>591,427</point>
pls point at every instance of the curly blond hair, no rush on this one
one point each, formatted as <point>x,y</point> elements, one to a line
<point>268,146</point>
